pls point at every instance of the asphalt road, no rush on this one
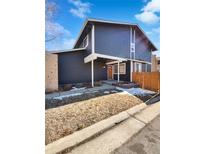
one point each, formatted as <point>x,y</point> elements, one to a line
<point>145,142</point>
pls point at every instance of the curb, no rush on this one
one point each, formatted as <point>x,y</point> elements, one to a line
<point>147,115</point>
<point>114,138</point>
<point>85,134</point>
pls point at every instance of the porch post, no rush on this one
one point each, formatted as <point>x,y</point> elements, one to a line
<point>92,73</point>
<point>118,71</point>
<point>131,70</point>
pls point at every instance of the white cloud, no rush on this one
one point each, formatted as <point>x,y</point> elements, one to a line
<point>61,37</point>
<point>54,30</point>
<point>81,9</point>
<point>156,30</point>
<point>148,14</point>
<point>149,32</point>
<point>153,31</point>
<point>68,43</point>
<point>152,6</point>
<point>60,44</point>
<point>147,17</point>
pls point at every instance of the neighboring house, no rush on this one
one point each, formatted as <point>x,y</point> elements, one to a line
<point>105,50</point>
<point>155,63</point>
<point>51,72</point>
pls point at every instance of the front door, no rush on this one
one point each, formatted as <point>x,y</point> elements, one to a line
<point>109,72</point>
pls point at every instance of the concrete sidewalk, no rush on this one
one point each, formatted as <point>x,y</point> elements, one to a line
<point>145,142</point>
<point>120,134</point>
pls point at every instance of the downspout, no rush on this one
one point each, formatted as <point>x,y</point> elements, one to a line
<point>130,55</point>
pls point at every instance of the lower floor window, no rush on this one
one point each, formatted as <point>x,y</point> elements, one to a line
<point>122,69</point>
<point>137,67</point>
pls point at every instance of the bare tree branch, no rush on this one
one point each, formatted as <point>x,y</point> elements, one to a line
<point>51,9</point>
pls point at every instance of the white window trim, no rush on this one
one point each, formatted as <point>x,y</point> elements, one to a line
<point>124,72</point>
<point>86,37</point>
<point>146,67</point>
<point>139,67</point>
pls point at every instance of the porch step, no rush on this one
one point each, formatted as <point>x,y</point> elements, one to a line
<point>122,84</point>
<point>128,85</point>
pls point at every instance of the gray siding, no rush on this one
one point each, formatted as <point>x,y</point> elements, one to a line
<point>72,68</point>
<point>112,40</point>
<point>142,51</point>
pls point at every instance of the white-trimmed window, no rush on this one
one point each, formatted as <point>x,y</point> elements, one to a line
<point>122,69</point>
<point>85,41</point>
<point>137,67</point>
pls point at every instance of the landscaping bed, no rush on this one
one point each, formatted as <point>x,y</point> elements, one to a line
<point>70,87</point>
<point>68,99</point>
<point>145,98</point>
<point>64,120</point>
<point>143,94</point>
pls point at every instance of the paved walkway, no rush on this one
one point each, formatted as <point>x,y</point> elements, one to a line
<point>146,142</point>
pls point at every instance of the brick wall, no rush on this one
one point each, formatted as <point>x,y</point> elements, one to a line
<point>51,72</point>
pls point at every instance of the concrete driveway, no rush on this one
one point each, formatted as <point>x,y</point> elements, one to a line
<point>146,142</point>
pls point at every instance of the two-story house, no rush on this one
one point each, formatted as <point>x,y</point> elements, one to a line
<point>105,50</point>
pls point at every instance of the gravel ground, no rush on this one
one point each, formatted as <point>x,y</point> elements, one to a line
<point>64,120</point>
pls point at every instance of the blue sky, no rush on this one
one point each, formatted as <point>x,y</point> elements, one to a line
<point>72,13</point>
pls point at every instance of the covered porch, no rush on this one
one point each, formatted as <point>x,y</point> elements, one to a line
<point>109,62</point>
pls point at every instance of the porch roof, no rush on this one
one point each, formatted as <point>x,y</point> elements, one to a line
<point>115,59</point>
<point>94,56</point>
<point>66,51</point>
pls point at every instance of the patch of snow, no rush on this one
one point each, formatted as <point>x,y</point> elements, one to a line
<point>106,92</point>
<point>75,89</point>
<point>124,93</point>
<point>136,91</point>
<point>90,91</point>
<point>70,95</point>
<point>95,91</point>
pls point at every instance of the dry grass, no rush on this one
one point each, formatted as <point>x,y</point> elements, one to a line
<point>66,119</point>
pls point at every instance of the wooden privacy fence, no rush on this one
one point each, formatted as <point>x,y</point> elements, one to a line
<point>147,80</point>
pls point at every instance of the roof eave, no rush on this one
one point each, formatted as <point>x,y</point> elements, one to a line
<point>155,48</point>
<point>65,51</point>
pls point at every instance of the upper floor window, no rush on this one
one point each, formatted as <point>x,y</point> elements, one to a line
<point>85,42</point>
